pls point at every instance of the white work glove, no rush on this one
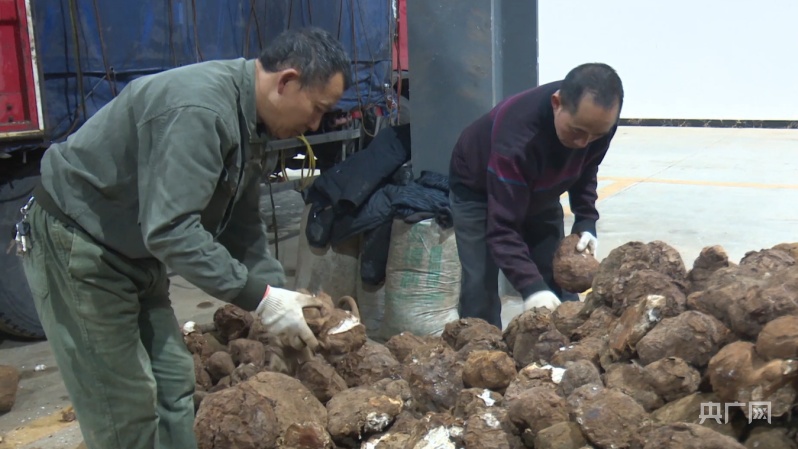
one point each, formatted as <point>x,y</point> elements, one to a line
<point>280,311</point>
<point>588,241</point>
<point>544,298</point>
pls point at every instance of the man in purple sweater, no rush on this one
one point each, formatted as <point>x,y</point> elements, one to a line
<point>507,172</point>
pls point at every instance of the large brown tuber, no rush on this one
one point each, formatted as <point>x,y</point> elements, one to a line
<point>738,374</point>
<point>435,377</point>
<point>672,378</point>
<point>243,350</point>
<point>609,285</point>
<point>689,436</point>
<point>574,270</point>
<point>523,335</point>
<point>566,317</point>
<point>635,322</point>
<point>532,376</point>
<point>770,437</point>
<point>368,364</point>
<point>610,418</point>
<point>356,413</point>
<point>236,418</point>
<point>589,349</point>
<point>402,344</point>
<point>493,370</point>
<point>321,379</point>
<point>491,429</point>
<point>535,410</point>
<point>576,374</point>
<point>692,336</point>
<point>710,260</point>
<point>292,401</point>
<point>779,339</point>
<point>695,409</point>
<point>341,331</point>
<point>634,381</point>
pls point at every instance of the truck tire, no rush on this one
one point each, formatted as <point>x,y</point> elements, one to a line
<point>18,315</point>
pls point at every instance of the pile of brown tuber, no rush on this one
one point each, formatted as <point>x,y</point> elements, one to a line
<point>655,357</point>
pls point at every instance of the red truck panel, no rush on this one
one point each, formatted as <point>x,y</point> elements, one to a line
<point>20,105</point>
<point>400,60</point>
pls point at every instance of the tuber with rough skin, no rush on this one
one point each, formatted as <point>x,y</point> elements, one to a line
<point>574,270</point>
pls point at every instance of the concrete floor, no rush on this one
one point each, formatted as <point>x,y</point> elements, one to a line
<point>690,187</point>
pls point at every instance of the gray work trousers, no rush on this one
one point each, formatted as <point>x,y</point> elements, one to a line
<point>479,292</point>
<point>115,338</point>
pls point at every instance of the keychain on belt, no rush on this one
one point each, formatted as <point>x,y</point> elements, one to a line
<point>22,234</point>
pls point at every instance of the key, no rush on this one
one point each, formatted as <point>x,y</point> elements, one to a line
<point>23,235</point>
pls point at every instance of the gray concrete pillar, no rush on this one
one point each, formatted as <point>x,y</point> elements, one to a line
<point>465,56</point>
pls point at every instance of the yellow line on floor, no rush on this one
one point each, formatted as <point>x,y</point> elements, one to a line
<point>604,192</point>
<point>37,429</point>
<point>750,185</point>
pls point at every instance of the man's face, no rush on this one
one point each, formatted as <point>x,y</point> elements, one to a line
<point>297,108</point>
<point>589,123</point>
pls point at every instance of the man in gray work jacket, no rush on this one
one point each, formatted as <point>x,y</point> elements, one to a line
<point>167,176</point>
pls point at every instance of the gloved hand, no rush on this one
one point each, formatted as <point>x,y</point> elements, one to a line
<point>544,298</point>
<point>588,241</point>
<point>280,311</point>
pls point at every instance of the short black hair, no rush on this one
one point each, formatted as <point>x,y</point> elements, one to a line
<point>312,51</point>
<point>598,79</point>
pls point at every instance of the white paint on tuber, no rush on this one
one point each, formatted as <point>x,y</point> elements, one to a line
<point>189,327</point>
<point>491,421</point>
<point>376,422</point>
<point>556,372</point>
<point>349,323</point>
<point>485,396</point>
<point>437,438</point>
<point>375,443</point>
<point>655,302</point>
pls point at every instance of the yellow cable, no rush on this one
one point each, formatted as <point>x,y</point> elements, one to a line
<point>311,158</point>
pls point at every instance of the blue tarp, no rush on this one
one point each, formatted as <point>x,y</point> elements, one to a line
<point>128,39</point>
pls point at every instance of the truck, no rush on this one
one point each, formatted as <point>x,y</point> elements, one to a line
<point>63,60</point>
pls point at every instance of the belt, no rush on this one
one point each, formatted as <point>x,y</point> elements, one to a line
<point>47,203</point>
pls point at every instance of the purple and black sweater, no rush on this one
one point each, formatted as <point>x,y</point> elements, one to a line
<point>512,159</point>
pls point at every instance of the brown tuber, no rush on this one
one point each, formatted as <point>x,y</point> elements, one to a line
<point>689,436</point>
<point>9,382</point>
<point>692,336</point>
<point>610,283</point>
<point>321,379</point>
<point>535,410</point>
<point>738,374</point>
<point>779,339</point>
<point>232,322</point>
<point>236,418</point>
<point>359,412</point>
<point>609,418</point>
<point>308,435</point>
<point>489,369</point>
<point>219,365</point>
<point>710,260</point>
<point>574,270</point>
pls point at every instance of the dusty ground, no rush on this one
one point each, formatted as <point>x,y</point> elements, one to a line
<point>689,187</point>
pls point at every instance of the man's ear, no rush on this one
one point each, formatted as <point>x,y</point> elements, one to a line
<point>286,76</point>
<point>556,101</point>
